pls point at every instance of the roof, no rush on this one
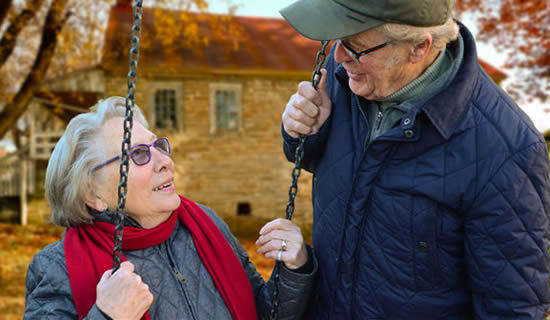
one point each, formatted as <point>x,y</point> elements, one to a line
<point>268,44</point>
<point>493,71</point>
<point>262,44</point>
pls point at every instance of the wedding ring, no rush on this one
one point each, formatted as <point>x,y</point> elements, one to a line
<point>283,245</point>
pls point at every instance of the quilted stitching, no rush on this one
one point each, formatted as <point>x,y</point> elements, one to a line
<point>478,200</point>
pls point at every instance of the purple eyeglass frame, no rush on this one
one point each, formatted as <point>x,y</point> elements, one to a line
<point>139,145</point>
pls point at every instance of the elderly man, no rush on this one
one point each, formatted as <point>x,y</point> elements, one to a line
<point>431,190</point>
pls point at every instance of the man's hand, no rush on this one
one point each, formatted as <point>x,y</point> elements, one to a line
<point>307,109</point>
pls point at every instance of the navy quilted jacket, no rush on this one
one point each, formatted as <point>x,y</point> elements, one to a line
<point>445,216</point>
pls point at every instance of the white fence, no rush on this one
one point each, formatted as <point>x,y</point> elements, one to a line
<point>17,178</point>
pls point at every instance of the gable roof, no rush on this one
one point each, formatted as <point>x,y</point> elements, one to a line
<point>263,44</point>
<point>495,73</point>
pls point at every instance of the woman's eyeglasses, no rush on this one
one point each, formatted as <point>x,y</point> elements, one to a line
<point>141,153</point>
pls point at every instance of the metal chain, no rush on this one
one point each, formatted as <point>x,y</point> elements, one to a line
<point>299,155</point>
<point>128,124</point>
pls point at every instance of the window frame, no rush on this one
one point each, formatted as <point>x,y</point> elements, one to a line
<point>213,88</point>
<point>154,87</point>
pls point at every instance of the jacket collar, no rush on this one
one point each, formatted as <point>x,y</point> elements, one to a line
<point>446,108</point>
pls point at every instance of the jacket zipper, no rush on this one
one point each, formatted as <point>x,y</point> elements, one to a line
<point>365,143</point>
<point>179,275</point>
<point>181,280</point>
<point>378,122</point>
<point>379,117</point>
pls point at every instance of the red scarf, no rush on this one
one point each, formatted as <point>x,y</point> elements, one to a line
<point>88,254</point>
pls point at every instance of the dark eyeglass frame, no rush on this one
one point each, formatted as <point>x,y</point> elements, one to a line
<point>132,149</point>
<point>356,55</point>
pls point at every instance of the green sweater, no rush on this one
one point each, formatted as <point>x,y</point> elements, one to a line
<point>384,114</point>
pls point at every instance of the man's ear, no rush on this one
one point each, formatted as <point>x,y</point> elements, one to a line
<point>421,50</point>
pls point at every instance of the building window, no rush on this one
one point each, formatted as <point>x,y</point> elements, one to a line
<point>165,99</point>
<point>225,107</point>
<point>166,109</point>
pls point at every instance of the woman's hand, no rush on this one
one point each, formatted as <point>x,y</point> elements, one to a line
<point>123,295</point>
<point>293,252</point>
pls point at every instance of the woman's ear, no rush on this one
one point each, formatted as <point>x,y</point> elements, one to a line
<point>96,202</point>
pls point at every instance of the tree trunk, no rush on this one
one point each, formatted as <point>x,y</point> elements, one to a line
<point>55,20</point>
<point>9,38</point>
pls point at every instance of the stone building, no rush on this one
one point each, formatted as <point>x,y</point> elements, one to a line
<point>219,103</point>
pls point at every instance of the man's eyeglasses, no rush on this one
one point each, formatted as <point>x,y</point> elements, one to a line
<point>356,55</point>
<point>141,153</point>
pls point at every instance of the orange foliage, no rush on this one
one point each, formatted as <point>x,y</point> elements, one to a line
<point>521,29</point>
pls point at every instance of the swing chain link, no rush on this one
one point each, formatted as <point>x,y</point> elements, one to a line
<point>128,124</point>
<point>299,155</point>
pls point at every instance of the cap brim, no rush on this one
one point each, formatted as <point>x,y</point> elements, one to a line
<point>325,20</point>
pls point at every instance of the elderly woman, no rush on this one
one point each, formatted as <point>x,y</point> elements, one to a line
<point>180,259</point>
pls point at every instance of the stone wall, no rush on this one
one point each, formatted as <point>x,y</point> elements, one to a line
<point>225,168</point>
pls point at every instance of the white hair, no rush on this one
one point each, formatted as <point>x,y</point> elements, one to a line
<point>69,176</point>
<point>441,35</point>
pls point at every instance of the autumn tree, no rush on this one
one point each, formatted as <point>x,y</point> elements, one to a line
<point>521,29</point>
<point>47,38</point>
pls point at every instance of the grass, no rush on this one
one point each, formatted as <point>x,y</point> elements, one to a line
<point>18,246</point>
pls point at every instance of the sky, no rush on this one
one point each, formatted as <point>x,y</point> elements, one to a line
<point>270,8</point>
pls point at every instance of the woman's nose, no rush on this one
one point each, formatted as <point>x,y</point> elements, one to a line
<point>161,160</point>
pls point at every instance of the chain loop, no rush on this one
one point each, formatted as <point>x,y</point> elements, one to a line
<point>299,155</point>
<point>128,124</point>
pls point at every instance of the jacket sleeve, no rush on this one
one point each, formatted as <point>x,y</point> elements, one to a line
<point>48,290</point>
<point>313,146</point>
<point>295,288</point>
<point>507,239</point>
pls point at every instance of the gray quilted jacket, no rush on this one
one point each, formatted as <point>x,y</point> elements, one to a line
<point>180,283</point>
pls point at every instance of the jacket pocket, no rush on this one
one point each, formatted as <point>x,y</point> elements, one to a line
<point>425,222</point>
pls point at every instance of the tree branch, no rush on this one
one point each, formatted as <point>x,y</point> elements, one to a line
<point>7,43</point>
<point>4,8</point>
<point>12,111</point>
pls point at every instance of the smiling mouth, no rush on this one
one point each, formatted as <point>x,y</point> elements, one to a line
<point>352,75</point>
<point>164,186</point>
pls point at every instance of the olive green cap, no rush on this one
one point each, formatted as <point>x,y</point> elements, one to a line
<point>337,19</point>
